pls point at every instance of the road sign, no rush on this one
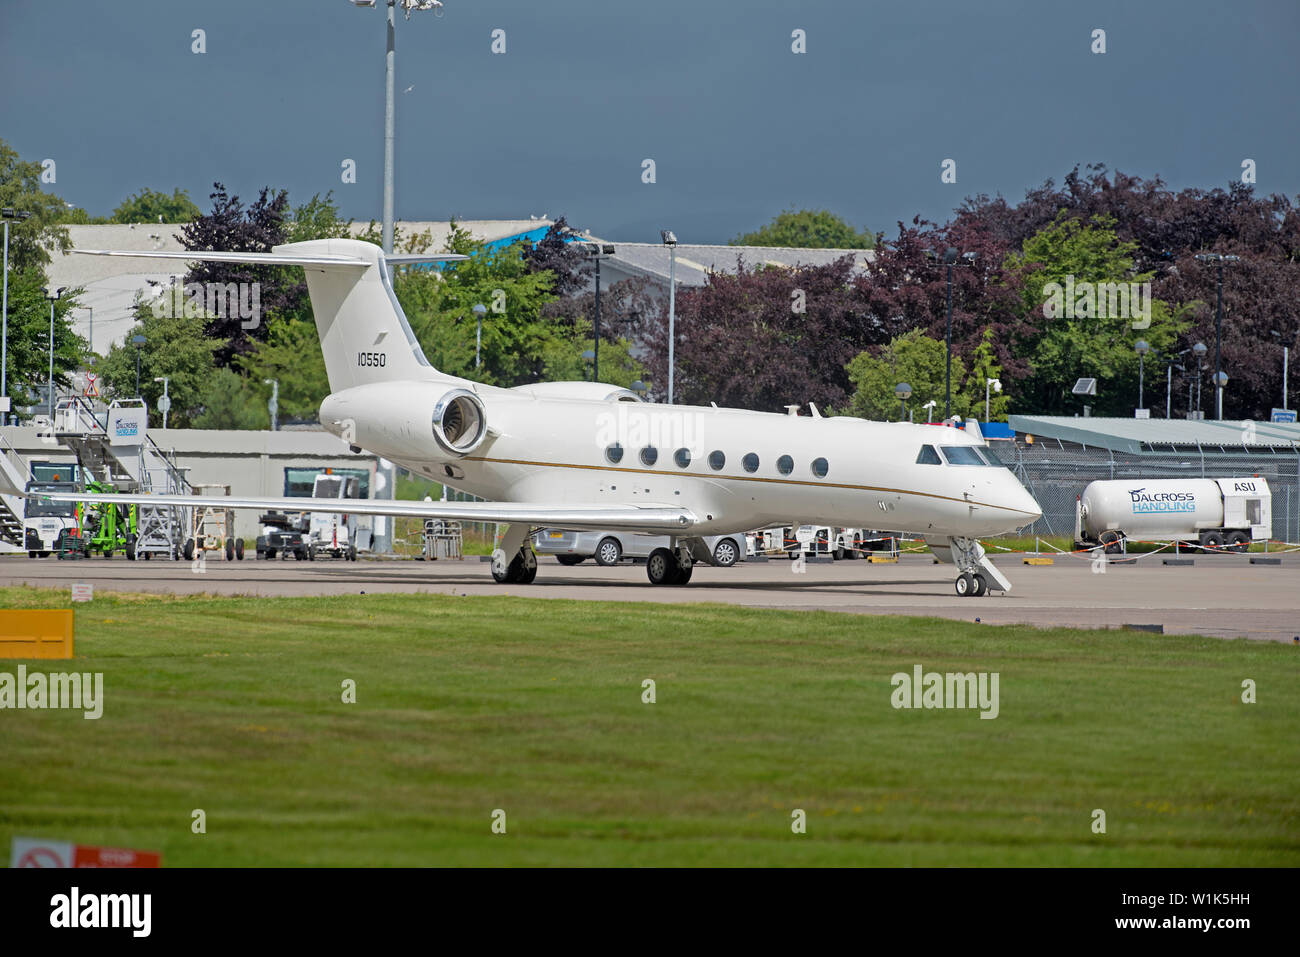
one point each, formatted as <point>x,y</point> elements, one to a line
<point>1141,413</point>
<point>1283,415</point>
<point>165,404</point>
<point>37,852</point>
<point>83,591</point>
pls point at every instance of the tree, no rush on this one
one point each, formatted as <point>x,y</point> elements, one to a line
<point>291,354</point>
<point>440,304</point>
<point>761,338</point>
<point>1071,276</point>
<point>30,240</point>
<point>913,358</point>
<point>151,206</point>
<point>559,253</point>
<point>175,347</point>
<point>29,333</point>
<point>228,401</point>
<point>807,229</point>
<point>230,227</point>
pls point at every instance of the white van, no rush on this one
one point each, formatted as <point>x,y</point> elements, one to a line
<point>610,548</point>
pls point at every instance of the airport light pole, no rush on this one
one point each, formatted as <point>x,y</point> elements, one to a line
<point>138,342</point>
<point>996,385</point>
<point>273,406</point>
<point>1218,321</point>
<point>1286,363</point>
<point>596,252</point>
<point>480,311</point>
<point>589,357</point>
<point>1220,383</point>
<point>390,108</point>
<point>950,257</point>
<point>53,295</point>
<point>1142,347</point>
<point>903,390</point>
<point>929,411</point>
<point>9,215</point>
<point>670,240</point>
<point>165,403</point>
<point>1199,351</point>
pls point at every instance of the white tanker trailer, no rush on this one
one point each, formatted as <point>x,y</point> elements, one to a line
<point>1214,513</point>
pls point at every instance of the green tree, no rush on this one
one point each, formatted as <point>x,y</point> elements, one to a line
<point>230,401</point>
<point>984,366</point>
<point>29,333</point>
<point>30,240</point>
<point>291,354</point>
<point>913,358</point>
<point>151,206</point>
<point>175,347</point>
<point>807,229</point>
<point>440,308</point>
<point>1084,338</point>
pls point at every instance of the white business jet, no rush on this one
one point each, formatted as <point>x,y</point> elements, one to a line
<point>583,455</point>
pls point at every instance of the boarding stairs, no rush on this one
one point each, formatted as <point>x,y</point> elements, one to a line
<point>114,446</point>
<point>14,476</point>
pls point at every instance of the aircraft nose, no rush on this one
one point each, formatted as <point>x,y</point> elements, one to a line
<point>1022,501</point>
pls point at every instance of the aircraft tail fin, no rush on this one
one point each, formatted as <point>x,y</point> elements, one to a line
<point>364,335</point>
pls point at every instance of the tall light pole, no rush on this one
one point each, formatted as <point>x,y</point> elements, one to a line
<point>1286,362</point>
<point>273,406</point>
<point>165,403</point>
<point>597,252</point>
<point>1220,383</point>
<point>903,390</point>
<point>8,214</point>
<point>1142,347</point>
<point>53,295</point>
<point>138,342</point>
<point>480,311</point>
<point>670,240</point>
<point>950,257</point>
<point>996,385</point>
<point>1218,322</point>
<point>1199,351</point>
<point>390,107</point>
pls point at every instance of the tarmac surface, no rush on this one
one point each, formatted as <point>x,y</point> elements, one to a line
<point>1219,595</point>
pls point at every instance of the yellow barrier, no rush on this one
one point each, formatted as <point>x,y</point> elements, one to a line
<point>35,633</point>
<point>1040,561</point>
<point>882,559</point>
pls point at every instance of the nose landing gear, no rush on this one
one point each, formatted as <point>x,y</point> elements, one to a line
<point>972,585</point>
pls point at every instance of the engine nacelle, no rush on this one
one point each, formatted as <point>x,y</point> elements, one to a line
<point>459,422</point>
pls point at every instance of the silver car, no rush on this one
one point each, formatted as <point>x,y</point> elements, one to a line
<point>610,548</point>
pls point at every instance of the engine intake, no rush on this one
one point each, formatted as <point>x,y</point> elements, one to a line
<point>459,422</point>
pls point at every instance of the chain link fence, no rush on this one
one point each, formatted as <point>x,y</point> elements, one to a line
<point>1057,472</point>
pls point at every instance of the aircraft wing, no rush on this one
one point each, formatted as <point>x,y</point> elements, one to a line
<point>652,518</point>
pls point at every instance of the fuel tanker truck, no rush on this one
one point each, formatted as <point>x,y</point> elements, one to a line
<point>1225,513</point>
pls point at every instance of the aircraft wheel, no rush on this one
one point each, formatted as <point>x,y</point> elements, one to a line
<point>684,574</point>
<point>981,585</point>
<point>527,574</point>
<point>661,567</point>
<point>965,585</point>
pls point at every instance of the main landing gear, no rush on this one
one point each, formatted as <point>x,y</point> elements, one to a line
<point>514,563</point>
<point>667,566</point>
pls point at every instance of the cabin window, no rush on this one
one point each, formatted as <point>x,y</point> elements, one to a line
<point>649,455</point>
<point>961,455</point>
<point>820,467</point>
<point>682,457</point>
<point>614,453</point>
<point>750,462</point>
<point>785,465</point>
<point>928,456</point>
<point>717,460</point>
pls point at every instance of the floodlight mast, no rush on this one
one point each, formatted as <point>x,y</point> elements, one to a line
<point>390,107</point>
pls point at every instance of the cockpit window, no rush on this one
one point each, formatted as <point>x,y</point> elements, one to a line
<point>962,455</point>
<point>928,456</point>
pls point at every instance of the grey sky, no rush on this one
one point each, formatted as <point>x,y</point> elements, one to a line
<point>738,125</point>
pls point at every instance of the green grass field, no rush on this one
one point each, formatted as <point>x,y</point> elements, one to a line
<point>467,705</point>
